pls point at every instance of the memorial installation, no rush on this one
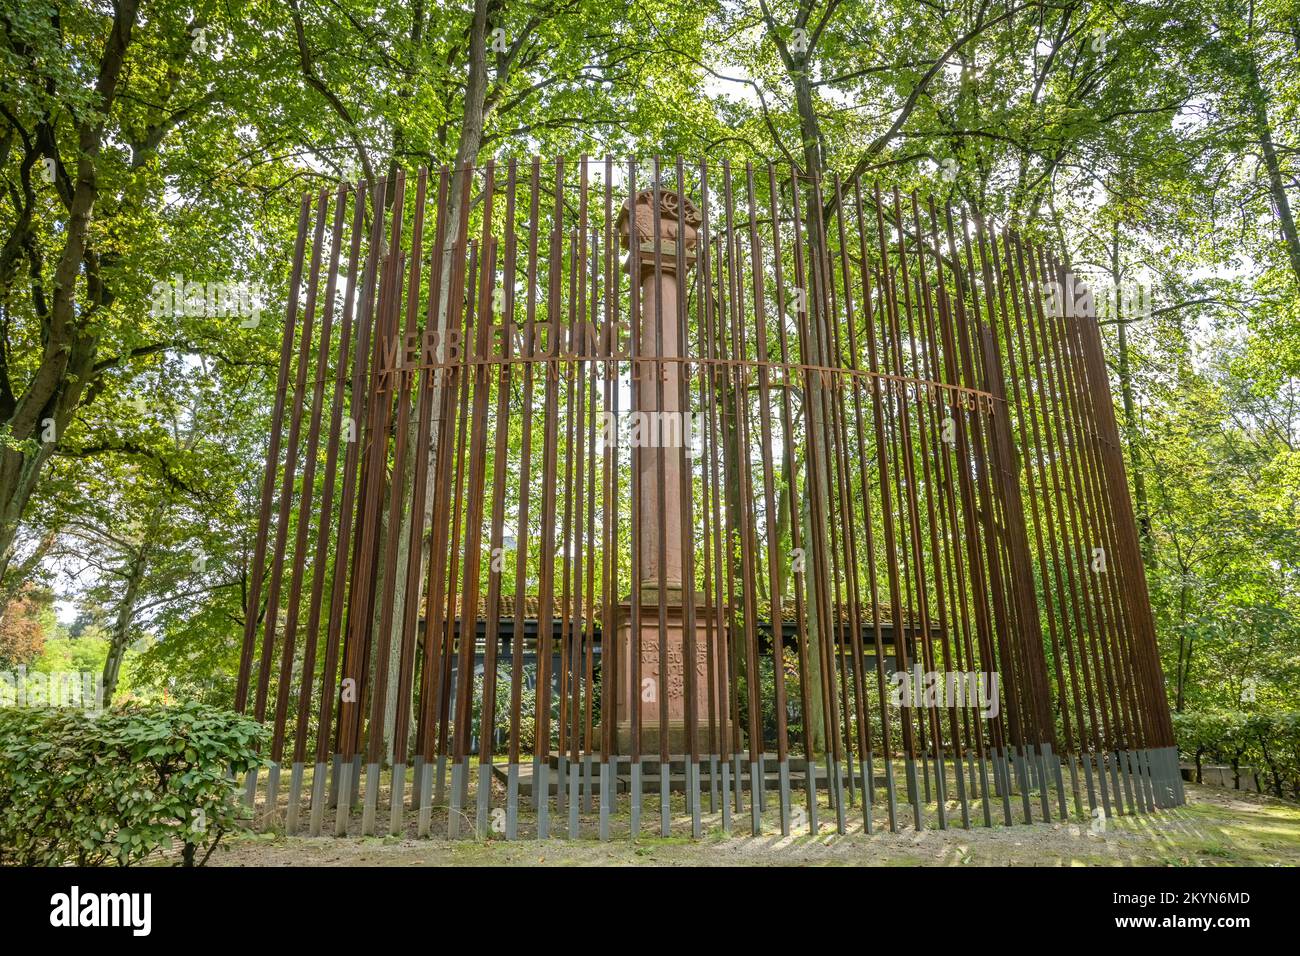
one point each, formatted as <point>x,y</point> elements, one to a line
<point>607,497</point>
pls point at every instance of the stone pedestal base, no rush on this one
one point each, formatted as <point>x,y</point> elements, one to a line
<point>708,644</point>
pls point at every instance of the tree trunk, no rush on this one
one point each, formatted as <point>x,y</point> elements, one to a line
<point>1184,664</point>
<point>137,567</point>
<point>467,150</point>
<point>816,459</point>
<point>67,363</point>
<point>1257,102</point>
<point>815,718</point>
<point>1130,415</point>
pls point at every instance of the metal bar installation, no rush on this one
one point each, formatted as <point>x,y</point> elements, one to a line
<point>768,496</point>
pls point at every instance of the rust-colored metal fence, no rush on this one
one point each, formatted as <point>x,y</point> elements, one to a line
<point>604,488</point>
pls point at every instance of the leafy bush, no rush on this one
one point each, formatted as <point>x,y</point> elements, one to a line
<point>115,787</point>
<point>501,712</point>
<point>1267,740</point>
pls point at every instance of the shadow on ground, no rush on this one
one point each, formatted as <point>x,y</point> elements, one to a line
<point>1216,828</point>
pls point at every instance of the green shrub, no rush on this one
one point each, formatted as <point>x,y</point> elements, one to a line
<point>115,787</point>
<point>1268,741</point>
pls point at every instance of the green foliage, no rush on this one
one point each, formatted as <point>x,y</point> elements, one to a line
<point>1268,741</point>
<point>83,652</point>
<point>501,711</point>
<point>118,786</point>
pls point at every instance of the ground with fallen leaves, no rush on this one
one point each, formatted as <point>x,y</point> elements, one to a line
<point>1216,828</point>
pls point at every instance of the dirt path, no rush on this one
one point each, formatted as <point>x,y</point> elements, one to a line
<point>1216,828</point>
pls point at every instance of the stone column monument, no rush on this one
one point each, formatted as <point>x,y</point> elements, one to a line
<point>662,438</point>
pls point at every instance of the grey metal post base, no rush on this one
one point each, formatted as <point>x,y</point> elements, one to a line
<point>832,792</point>
<point>1167,778</point>
<point>810,785</point>
<point>1137,761</point>
<point>738,783</point>
<point>481,803</point>
<point>1119,763</point>
<point>425,821</point>
<point>1054,765</point>
<point>295,794</point>
<point>1116,798</point>
<point>913,791</point>
<point>1044,785</point>
<point>271,809</point>
<point>370,808</point>
<point>1176,775</point>
<point>635,799</point>
<point>1074,784</point>
<point>250,788</point>
<point>1002,769</point>
<point>1103,785</point>
<point>334,780</point>
<point>783,772</point>
<point>575,799</point>
<point>665,808</point>
<point>586,783</point>
<point>397,801</point>
<point>1163,773</point>
<point>1134,760</point>
<point>1022,781</point>
<point>1152,762</point>
<point>693,797</point>
<point>1120,798</point>
<point>1130,783</point>
<point>318,799</point>
<point>1158,783</point>
<point>458,770</point>
<point>984,792</point>
<point>893,794</point>
<point>344,810</point>
<point>512,801</point>
<point>1103,790</point>
<point>1090,786</point>
<point>1152,780</point>
<point>606,797</point>
<point>959,778</point>
<point>713,783</point>
<point>542,794</point>
<point>837,781</point>
<point>1156,770</point>
<point>417,773</point>
<point>940,787</point>
<point>869,795</point>
<point>726,795</point>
